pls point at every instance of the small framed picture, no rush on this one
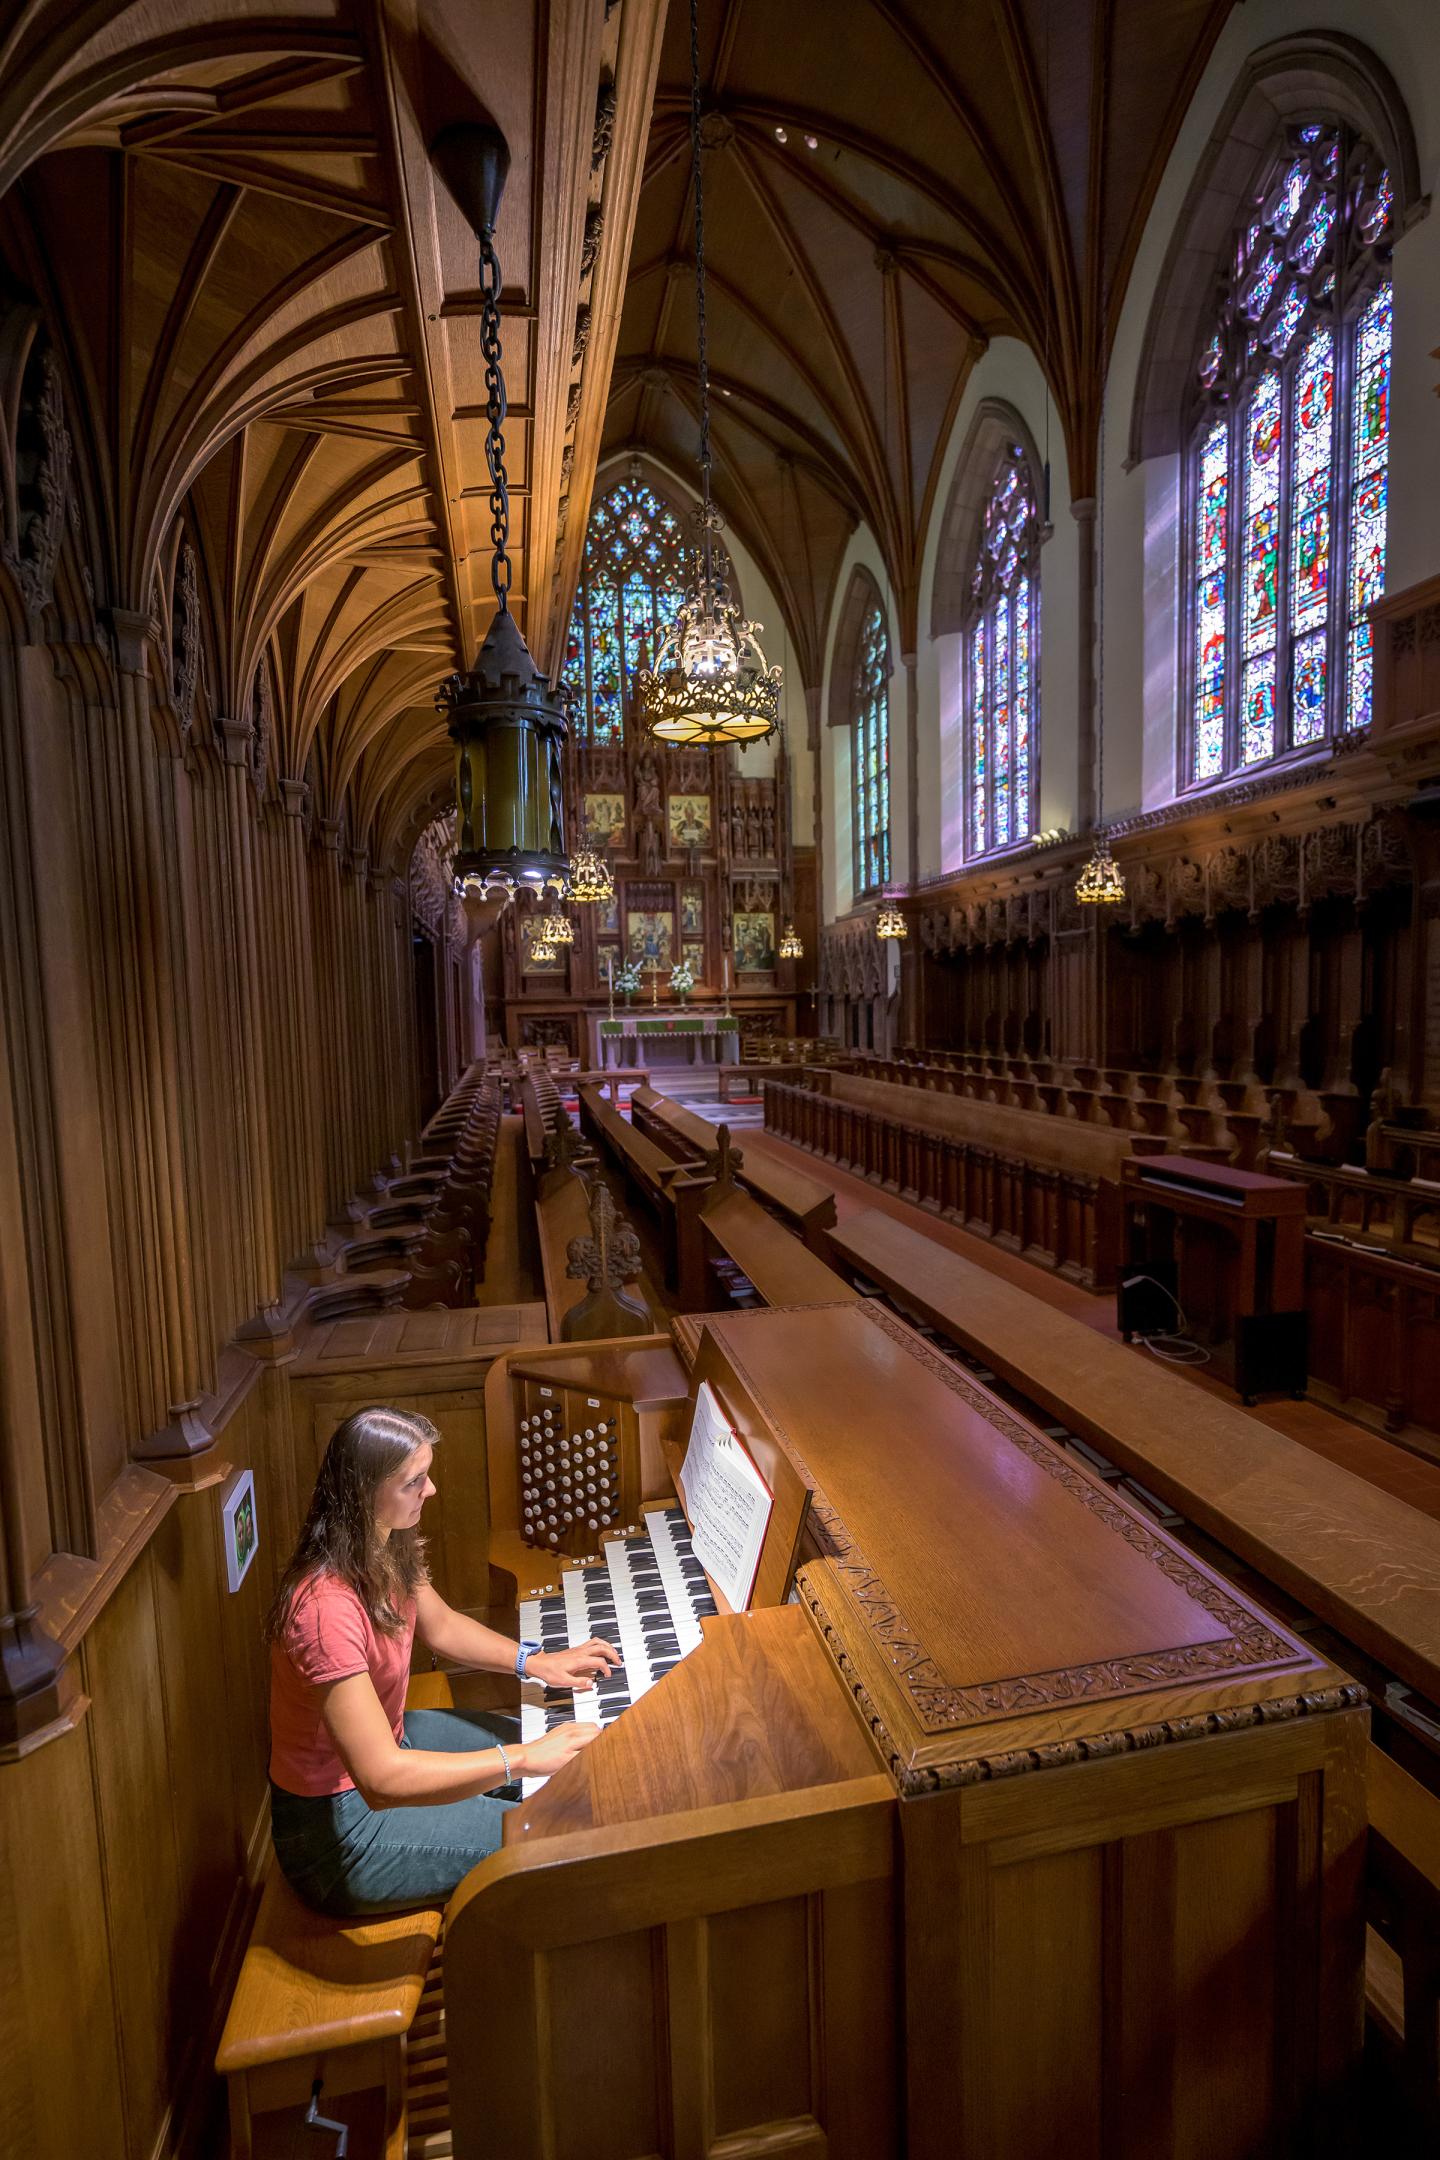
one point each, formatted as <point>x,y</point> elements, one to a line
<point>241,1528</point>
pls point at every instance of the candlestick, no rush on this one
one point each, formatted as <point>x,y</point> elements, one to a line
<point>610,980</point>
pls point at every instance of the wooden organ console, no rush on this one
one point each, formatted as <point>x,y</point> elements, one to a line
<point>999,1825</point>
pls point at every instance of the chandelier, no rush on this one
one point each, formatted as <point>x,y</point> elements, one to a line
<point>556,928</point>
<point>590,877</point>
<point>708,682</point>
<point>791,946</point>
<point>890,923</point>
<point>505,718</point>
<point>1100,883</point>
<point>542,952</point>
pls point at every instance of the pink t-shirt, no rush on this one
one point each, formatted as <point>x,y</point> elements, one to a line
<point>328,1636</point>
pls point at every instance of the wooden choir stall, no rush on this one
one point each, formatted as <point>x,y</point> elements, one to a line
<point>997,1826</point>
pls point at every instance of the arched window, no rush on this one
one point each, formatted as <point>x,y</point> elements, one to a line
<point>1287,460</point>
<point>636,567</point>
<point>1002,663</point>
<point>870,752</point>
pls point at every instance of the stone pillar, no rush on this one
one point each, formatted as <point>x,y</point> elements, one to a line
<point>258,1200</point>
<point>302,1000</point>
<point>1422,1077</point>
<point>912,754</point>
<point>1083,513</point>
<point>137,877</point>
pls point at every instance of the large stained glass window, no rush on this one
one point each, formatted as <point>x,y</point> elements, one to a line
<point>870,747</point>
<point>637,561</point>
<point>1288,461</point>
<point>1003,664</point>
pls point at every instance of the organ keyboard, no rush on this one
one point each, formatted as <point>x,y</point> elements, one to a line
<point>646,1593</point>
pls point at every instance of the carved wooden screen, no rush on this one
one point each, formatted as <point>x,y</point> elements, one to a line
<point>1287,462</point>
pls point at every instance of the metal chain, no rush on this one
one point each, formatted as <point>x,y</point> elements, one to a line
<point>495,408</point>
<point>700,324</point>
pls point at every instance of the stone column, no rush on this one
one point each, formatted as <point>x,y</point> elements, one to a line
<point>1083,513</point>
<point>266,1325</point>
<point>144,990</point>
<point>1422,1077</point>
<point>302,1000</point>
<point>912,754</point>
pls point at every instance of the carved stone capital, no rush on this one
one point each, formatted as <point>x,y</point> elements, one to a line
<point>132,640</point>
<point>234,737</point>
<point>293,794</point>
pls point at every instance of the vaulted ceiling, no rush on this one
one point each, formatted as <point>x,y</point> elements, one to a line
<point>888,186</point>
<point>267,302</point>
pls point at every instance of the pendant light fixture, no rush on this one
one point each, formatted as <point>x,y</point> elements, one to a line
<point>890,923</point>
<point>709,682</point>
<point>590,878</point>
<point>556,927</point>
<point>791,946</point>
<point>1100,883</point>
<point>505,718</point>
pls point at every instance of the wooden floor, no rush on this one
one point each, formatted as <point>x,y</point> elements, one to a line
<point>1369,1455</point>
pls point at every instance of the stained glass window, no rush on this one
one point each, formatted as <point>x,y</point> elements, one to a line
<point>1002,658</point>
<point>634,576</point>
<point>1288,460</point>
<point>870,748</point>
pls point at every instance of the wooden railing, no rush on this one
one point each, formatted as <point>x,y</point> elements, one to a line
<point>1062,1219</point>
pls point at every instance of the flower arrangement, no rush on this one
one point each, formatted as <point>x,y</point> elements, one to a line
<point>627,978</point>
<point>682,980</point>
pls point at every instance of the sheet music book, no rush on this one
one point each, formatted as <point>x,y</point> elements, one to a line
<point>726,1499</point>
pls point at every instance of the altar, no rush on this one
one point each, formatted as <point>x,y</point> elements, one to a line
<point>663,1039</point>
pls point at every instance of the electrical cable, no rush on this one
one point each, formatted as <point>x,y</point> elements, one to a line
<point>1184,1350</point>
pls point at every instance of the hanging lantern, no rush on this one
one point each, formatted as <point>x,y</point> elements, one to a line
<point>1100,883</point>
<point>541,952</point>
<point>505,718</point>
<point>709,682</point>
<point>556,928</point>
<point>790,946</point>
<point>590,879</point>
<point>890,923</point>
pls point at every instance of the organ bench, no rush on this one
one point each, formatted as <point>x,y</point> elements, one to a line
<point>1018,1832</point>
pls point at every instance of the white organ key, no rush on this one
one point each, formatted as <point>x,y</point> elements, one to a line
<point>670,1537</point>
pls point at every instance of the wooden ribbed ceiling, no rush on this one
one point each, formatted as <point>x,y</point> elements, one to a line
<point>887,187</point>
<point>267,306</point>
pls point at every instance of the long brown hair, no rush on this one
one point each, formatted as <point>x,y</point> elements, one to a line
<point>340,1537</point>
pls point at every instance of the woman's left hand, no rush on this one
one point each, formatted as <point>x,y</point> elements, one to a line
<point>578,1668</point>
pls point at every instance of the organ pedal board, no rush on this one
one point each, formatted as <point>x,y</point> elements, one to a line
<point>646,1593</point>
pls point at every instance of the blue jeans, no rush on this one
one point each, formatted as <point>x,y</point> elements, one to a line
<point>345,1857</point>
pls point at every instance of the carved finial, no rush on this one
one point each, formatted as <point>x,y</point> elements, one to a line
<point>563,1144</point>
<point>724,1160</point>
<point>610,1257</point>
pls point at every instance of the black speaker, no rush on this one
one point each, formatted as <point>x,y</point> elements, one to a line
<point>1145,1298</point>
<point>1272,1353</point>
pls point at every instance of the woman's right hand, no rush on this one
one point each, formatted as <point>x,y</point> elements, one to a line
<point>542,1758</point>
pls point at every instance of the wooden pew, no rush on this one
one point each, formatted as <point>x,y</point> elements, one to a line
<point>803,1202</point>
<point>1037,1185</point>
<point>671,1191</point>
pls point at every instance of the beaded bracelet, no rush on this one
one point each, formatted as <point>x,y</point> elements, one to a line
<point>509,1778</point>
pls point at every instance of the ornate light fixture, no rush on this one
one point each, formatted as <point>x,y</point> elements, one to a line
<point>590,877</point>
<point>542,952</point>
<point>1100,883</point>
<point>709,682</point>
<point>556,928</point>
<point>505,718</point>
<point>890,923</point>
<point>791,946</point>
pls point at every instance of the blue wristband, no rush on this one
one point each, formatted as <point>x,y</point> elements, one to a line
<point>523,1656</point>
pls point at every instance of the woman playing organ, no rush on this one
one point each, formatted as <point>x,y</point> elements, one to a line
<point>374,1807</point>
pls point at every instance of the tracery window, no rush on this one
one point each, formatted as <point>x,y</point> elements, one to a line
<point>1288,455</point>
<point>870,752</point>
<point>637,561</point>
<point>1002,664</point>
